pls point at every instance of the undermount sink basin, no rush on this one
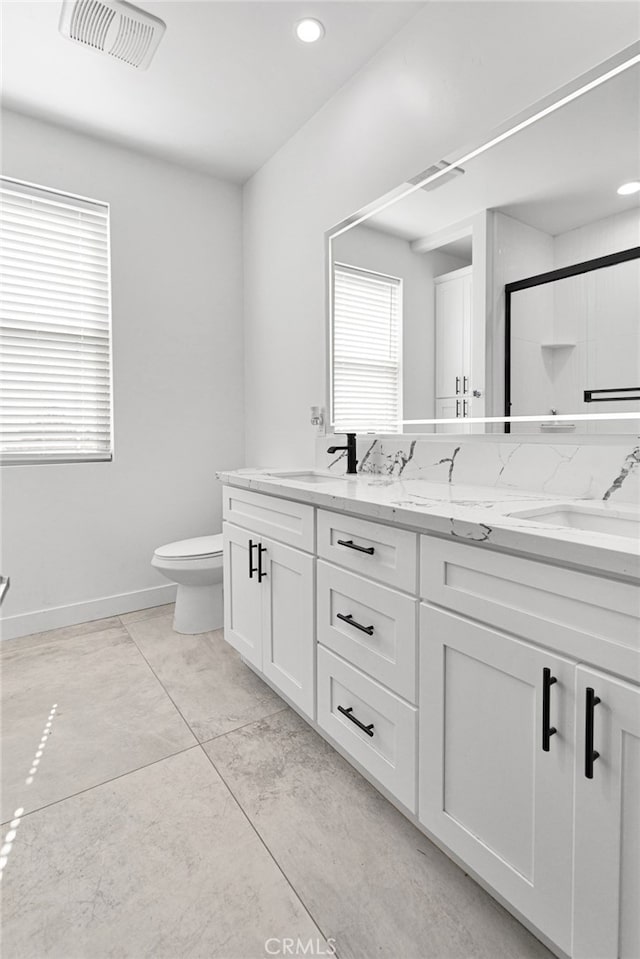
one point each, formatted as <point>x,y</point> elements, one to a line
<point>591,519</point>
<point>306,476</point>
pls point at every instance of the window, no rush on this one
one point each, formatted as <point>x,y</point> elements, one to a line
<point>367,350</point>
<point>55,326</point>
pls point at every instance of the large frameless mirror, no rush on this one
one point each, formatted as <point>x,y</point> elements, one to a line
<point>499,290</point>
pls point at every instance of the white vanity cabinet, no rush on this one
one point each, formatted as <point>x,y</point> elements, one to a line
<point>457,678</point>
<point>269,592</point>
<point>505,780</point>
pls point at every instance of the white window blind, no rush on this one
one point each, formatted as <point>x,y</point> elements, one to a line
<point>367,350</point>
<point>55,326</point>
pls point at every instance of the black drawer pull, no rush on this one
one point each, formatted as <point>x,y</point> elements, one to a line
<point>351,621</point>
<point>349,714</point>
<point>547,730</point>
<point>261,573</point>
<point>252,546</point>
<point>590,754</point>
<point>361,549</point>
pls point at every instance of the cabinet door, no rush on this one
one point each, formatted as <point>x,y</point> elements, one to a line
<point>607,828</point>
<point>450,309</point>
<point>242,595</point>
<point>288,652</point>
<point>488,789</point>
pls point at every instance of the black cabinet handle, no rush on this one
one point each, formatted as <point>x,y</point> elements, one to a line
<point>361,549</point>
<point>261,573</point>
<point>348,712</point>
<point>252,546</point>
<point>465,384</point>
<point>457,385</point>
<point>590,754</point>
<point>547,730</point>
<point>351,621</point>
<point>465,408</point>
<point>457,408</point>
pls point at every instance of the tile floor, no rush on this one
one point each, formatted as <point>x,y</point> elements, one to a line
<point>160,801</point>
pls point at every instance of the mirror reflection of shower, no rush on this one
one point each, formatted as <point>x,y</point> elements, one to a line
<point>573,336</point>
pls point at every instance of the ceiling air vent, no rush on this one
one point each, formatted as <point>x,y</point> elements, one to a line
<point>453,171</point>
<point>113,27</point>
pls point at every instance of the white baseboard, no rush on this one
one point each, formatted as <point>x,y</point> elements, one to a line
<point>24,624</point>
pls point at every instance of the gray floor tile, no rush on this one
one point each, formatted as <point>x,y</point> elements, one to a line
<point>54,635</point>
<point>139,614</point>
<point>368,877</point>
<point>111,715</point>
<point>205,677</point>
<point>160,863</point>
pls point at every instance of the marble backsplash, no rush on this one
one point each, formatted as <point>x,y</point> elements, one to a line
<point>607,471</point>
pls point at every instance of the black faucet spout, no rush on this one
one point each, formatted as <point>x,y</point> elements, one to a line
<point>350,450</point>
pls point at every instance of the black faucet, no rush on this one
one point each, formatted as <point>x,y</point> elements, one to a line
<point>351,452</point>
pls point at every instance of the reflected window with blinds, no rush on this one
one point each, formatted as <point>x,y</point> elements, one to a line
<point>367,351</point>
<point>55,327</point>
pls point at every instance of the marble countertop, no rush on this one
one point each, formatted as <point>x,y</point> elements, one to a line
<point>471,514</point>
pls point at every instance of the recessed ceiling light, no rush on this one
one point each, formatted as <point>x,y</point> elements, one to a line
<point>627,188</point>
<point>309,30</point>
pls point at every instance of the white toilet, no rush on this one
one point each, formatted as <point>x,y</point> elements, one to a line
<point>196,566</point>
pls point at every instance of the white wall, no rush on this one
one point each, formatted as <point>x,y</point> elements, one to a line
<point>73,534</point>
<point>452,74</point>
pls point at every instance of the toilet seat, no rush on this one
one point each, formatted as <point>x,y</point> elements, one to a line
<point>200,547</point>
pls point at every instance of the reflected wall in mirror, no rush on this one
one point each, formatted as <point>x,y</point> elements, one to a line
<point>417,324</point>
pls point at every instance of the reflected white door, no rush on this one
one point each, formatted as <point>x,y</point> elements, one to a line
<point>453,333</point>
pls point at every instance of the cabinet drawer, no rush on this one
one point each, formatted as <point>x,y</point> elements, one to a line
<point>387,651</point>
<point>281,519</point>
<point>382,552</point>
<point>388,750</point>
<point>589,617</point>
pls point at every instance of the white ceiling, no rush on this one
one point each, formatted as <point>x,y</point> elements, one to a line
<point>229,84</point>
<point>557,175</point>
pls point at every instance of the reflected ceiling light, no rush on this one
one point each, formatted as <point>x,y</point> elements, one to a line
<point>628,188</point>
<point>309,30</point>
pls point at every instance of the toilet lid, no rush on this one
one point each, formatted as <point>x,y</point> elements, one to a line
<point>190,548</point>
